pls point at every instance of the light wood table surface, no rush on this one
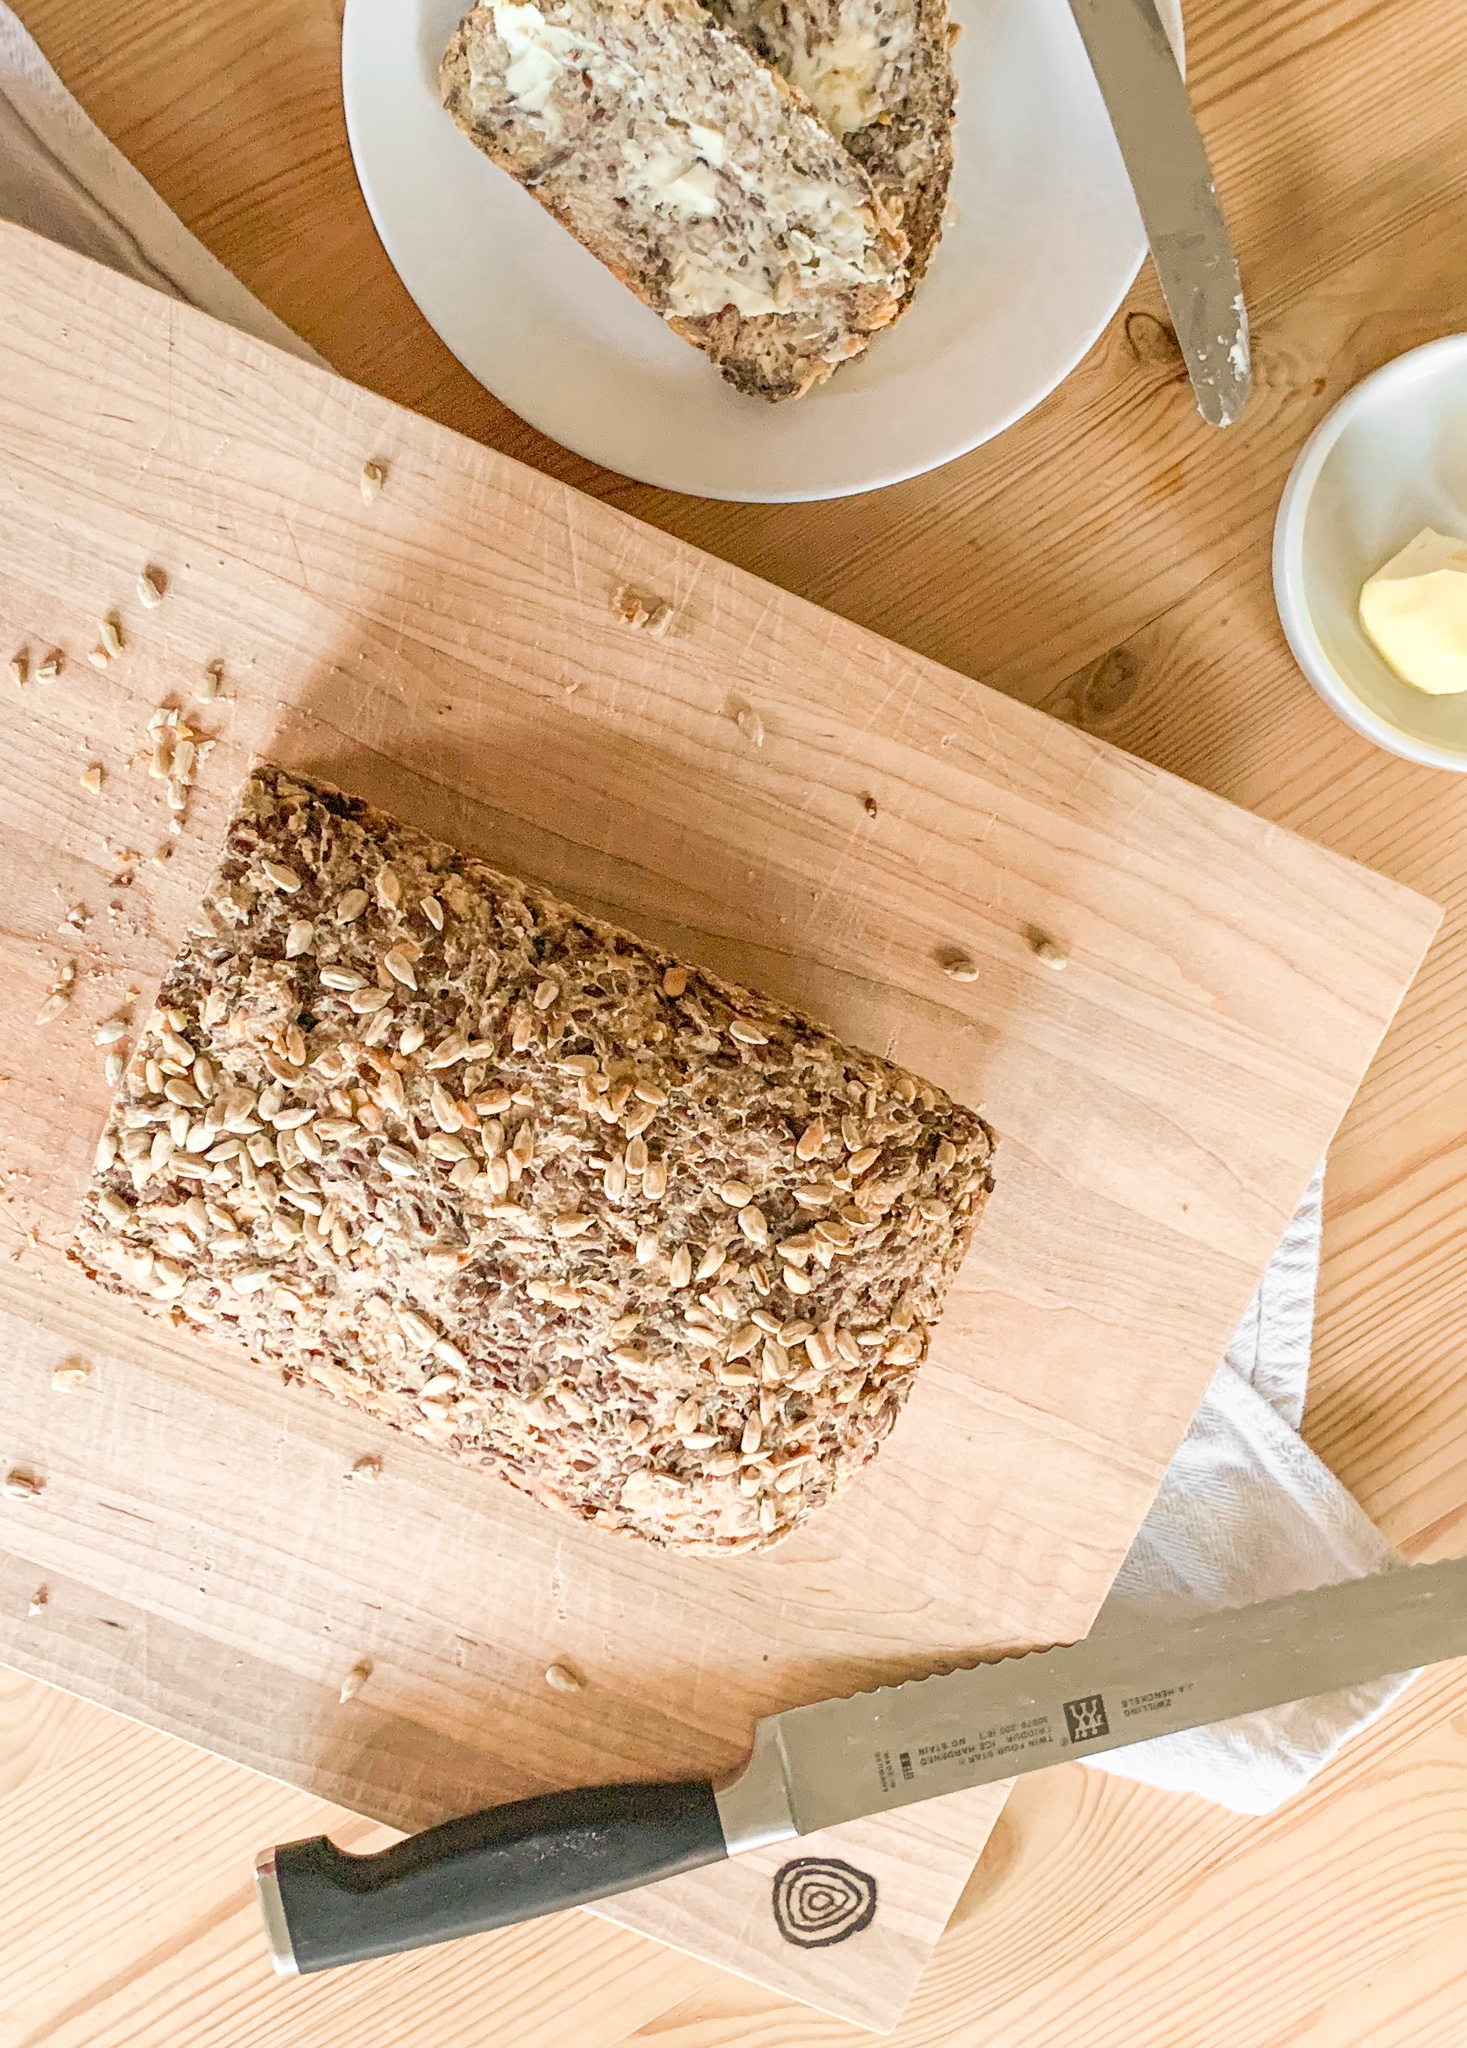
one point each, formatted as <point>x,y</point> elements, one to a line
<point>1107,559</point>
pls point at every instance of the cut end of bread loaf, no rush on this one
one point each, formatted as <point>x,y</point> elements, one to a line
<point>693,171</point>
<point>659,1252</point>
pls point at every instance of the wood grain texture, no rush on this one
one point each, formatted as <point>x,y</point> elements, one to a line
<point>452,652</point>
<point>1107,559</point>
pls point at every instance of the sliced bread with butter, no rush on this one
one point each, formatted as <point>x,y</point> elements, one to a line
<point>880,75</point>
<point>694,172</point>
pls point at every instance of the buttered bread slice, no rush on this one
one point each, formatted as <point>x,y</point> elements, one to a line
<point>684,162</point>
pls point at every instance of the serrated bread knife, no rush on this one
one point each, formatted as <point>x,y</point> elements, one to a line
<point>1154,124</point>
<point>813,1767</point>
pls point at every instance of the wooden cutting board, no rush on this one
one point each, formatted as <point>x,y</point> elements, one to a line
<point>452,651</point>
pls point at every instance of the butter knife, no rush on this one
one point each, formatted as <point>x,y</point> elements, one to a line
<point>1147,101</point>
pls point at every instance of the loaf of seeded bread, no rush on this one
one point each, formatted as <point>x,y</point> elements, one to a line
<point>879,73</point>
<point>659,1252</point>
<point>690,168</point>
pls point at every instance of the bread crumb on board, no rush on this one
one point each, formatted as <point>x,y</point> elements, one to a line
<point>561,1678</point>
<point>643,613</point>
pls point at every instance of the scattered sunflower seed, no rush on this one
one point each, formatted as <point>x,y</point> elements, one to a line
<point>1050,954</point>
<point>18,670</point>
<point>18,1485</point>
<point>367,1470</point>
<point>960,967</point>
<point>560,1678</point>
<point>355,1679</point>
<point>99,657</point>
<point>870,806</point>
<point>151,585</point>
<point>68,1378</point>
<point>91,779</point>
<point>207,687</point>
<point>374,475</point>
<point>115,1066</point>
<point>751,725</point>
<point>54,1004</point>
<point>38,1601</point>
<point>51,667</point>
<point>112,634</point>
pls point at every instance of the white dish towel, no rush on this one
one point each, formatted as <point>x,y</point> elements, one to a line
<point>1246,1511</point>
<point>62,178</point>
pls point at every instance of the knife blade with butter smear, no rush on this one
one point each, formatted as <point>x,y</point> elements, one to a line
<point>816,1766</point>
<point>1152,116</point>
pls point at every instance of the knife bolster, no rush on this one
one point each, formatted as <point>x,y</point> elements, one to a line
<point>754,1808</point>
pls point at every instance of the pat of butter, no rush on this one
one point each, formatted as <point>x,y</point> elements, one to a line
<point>682,183</point>
<point>538,54</point>
<point>841,77</point>
<point>1415,610</point>
<point>699,287</point>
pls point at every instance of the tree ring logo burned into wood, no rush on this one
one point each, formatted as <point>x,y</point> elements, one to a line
<point>818,1901</point>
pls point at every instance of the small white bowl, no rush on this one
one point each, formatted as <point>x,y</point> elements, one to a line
<point>1390,459</point>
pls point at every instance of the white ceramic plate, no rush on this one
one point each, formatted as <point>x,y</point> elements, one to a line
<point>1046,242</point>
<point>1390,459</point>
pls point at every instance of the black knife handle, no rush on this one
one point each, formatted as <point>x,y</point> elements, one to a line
<point>323,1907</point>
